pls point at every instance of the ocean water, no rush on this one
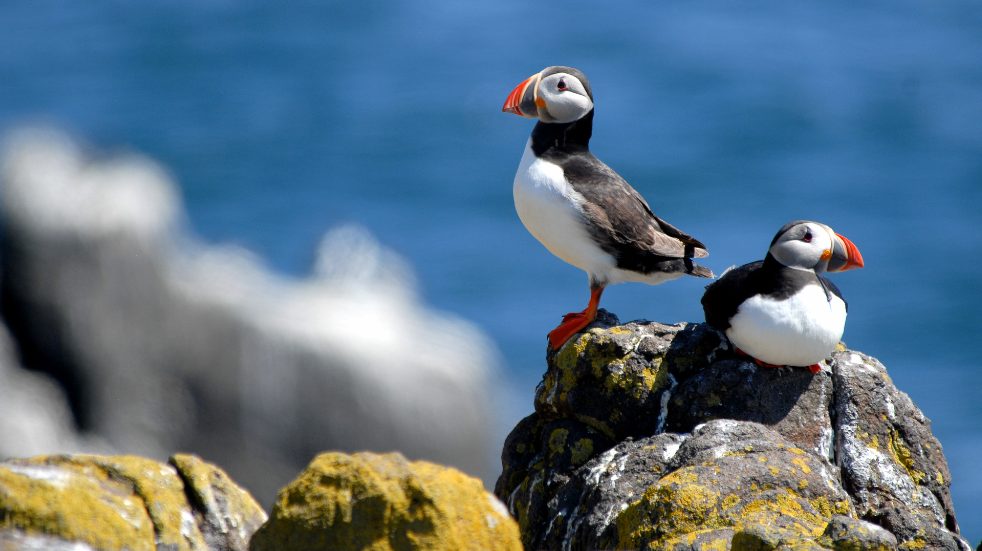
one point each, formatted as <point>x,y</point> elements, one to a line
<point>282,121</point>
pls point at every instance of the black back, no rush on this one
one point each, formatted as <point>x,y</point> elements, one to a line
<point>766,277</point>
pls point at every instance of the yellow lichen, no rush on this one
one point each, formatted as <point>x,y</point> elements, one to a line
<point>801,464</point>
<point>705,540</point>
<point>678,501</point>
<point>903,456</point>
<point>383,503</point>
<point>112,502</point>
<point>801,515</point>
<point>916,543</point>
<point>54,505</point>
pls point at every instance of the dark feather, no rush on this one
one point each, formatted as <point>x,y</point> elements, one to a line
<point>619,219</point>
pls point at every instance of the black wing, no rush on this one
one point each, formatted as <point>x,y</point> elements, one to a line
<point>622,222</point>
<point>831,287</point>
<point>725,295</point>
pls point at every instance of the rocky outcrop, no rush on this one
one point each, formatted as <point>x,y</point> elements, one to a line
<point>161,342</point>
<point>93,502</point>
<point>383,502</point>
<point>652,436</point>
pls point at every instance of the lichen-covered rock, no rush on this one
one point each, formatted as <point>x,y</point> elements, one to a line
<point>850,534</point>
<point>384,502</point>
<point>651,436</point>
<point>122,502</point>
<point>890,460</point>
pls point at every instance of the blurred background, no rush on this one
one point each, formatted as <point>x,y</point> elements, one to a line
<point>378,124</point>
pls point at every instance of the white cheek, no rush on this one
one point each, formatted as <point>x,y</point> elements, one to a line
<point>568,107</point>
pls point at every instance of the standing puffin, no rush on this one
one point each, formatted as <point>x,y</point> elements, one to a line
<point>579,208</point>
<point>779,311</point>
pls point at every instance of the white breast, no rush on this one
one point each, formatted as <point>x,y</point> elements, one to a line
<point>799,331</point>
<point>551,210</point>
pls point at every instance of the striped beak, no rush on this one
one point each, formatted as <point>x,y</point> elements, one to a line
<point>522,100</point>
<point>845,255</point>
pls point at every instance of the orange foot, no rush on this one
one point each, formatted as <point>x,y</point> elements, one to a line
<point>574,322</point>
<point>813,368</point>
<point>758,362</point>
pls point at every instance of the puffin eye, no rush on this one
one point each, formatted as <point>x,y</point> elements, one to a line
<point>808,237</point>
<point>561,85</point>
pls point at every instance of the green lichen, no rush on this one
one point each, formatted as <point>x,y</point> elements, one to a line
<point>581,451</point>
<point>557,441</point>
<point>714,400</point>
<point>596,424</point>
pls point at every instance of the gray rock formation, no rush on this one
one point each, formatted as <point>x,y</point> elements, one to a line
<point>163,343</point>
<point>652,436</point>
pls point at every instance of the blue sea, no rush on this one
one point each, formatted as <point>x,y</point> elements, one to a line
<point>283,120</point>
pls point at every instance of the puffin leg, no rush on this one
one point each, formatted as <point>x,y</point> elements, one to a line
<point>574,322</point>
<point>813,368</point>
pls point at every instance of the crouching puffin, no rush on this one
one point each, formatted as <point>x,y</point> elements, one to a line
<point>779,310</point>
<point>579,208</point>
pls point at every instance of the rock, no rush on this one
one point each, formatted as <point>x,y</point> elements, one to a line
<point>122,502</point>
<point>161,342</point>
<point>892,463</point>
<point>383,502</point>
<point>849,534</point>
<point>655,436</point>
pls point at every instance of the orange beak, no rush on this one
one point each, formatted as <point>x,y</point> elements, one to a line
<point>521,100</point>
<point>845,255</point>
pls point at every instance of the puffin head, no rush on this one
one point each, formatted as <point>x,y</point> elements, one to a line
<point>810,245</point>
<point>555,94</point>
